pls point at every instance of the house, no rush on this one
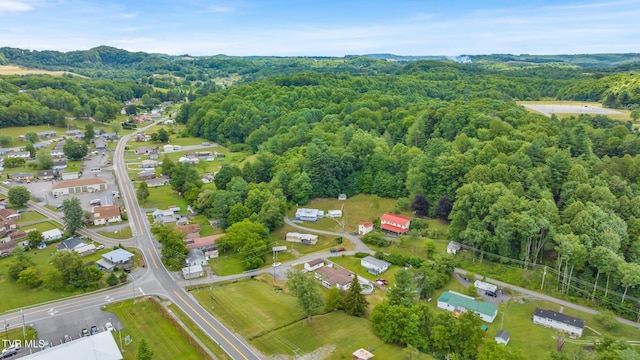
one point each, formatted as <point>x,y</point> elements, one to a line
<point>365,228</point>
<point>207,244</point>
<point>192,272</point>
<point>167,148</point>
<point>196,257</point>
<point>45,174</point>
<point>70,176</point>
<point>149,164</point>
<point>503,337</point>
<point>146,175</point>
<point>334,213</point>
<point>568,324</point>
<point>19,154</point>
<point>158,182</point>
<point>7,226</point>
<point>304,239</point>
<point>453,247</point>
<point>47,134</point>
<point>57,153</point>
<point>73,133</point>
<point>22,176</point>
<point>70,244</point>
<point>6,214</point>
<point>334,277</point>
<point>313,264</point>
<point>40,145</point>
<point>189,160</point>
<point>167,217</point>
<point>110,136</point>
<point>17,235</point>
<point>100,143</point>
<point>395,224</point>
<point>154,155</point>
<point>342,197</point>
<point>118,257</point>
<point>144,150</point>
<point>7,247</point>
<point>201,154</point>
<point>106,214</point>
<point>362,354</point>
<point>304,214</point>
<point>142,137</point>
<point>374,266</point>
<point>51,235</point>
<point>67,187</point>
<point>59,164</point>
<point>458,304</point>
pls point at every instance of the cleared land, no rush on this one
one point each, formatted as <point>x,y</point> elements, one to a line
<point>19,70</point>
<point>567,108</point>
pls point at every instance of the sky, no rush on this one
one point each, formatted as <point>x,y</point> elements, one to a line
<point>324,28</point>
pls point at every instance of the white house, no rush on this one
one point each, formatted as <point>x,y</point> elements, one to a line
<point>334,277</point>
<point>485,286</point>
<point>167,148</point>
<point>118,257</point>
<point>374,266</point>
<point>453,247</point>
<point>192,272</point>
<point>313,264</point>
<point>50,235</point>
<point>304,239</point>
<point>548,318</point>
<point>106,214</point>
<point>334,213</point>
<point>365,228</point>
<point>305,214</point>
<point>196,257</point>
<point>458,304</point>
<point>503,337</point>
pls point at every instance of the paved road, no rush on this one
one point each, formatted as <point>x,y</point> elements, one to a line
<point>233,345</point>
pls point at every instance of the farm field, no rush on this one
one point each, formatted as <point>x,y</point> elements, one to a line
<point>19,70</point>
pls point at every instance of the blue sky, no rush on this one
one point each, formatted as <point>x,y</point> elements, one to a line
<point>324,28</point>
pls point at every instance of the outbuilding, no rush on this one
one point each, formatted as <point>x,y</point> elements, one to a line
<point>503,337</point>
<point>374,266</point>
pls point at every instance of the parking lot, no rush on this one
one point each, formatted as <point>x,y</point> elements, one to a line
<point>41,189</point>
<point>54,329</point>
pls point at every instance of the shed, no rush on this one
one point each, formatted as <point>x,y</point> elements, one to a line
<point>313,264</point>
<point>192,272</point>
<point>453,247</point>
<point>503,337</point>
<point>365,228</point>
<point>362,354</point>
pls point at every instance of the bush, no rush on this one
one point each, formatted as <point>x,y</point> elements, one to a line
<point>607,319</point>
<point>472,291</point>
<point>376,239</point>
<point>360,254</point>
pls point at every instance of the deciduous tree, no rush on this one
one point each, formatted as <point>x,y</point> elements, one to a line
<point>31,137</point>
<point>73,214</point>
<point>443,208</point>
<point>307,290</point>
<point>403,293</point>
<point>19,195</point>
<point>75,150</point>
<point>420,205</point>
<point>142,193</point>
<point>34,238</point>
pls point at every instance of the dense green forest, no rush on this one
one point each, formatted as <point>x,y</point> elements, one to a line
<point>524,186</point>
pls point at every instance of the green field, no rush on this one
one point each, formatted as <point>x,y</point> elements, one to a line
<point>162,197</point>
<point>625,116</point>
<point>43,226</point>
<point>124,233</point>
<point>274,323</point>
<point>30,216</point>
<point>143,320</point>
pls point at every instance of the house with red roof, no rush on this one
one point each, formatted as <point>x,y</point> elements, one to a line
<point>395,224</point>
<point>365,228</point>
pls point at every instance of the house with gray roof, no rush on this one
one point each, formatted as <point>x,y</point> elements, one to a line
<point>558,321</point>
<point>118,257</point>
<point>375,266</point>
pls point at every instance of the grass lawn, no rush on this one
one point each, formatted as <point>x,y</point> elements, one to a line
<point>355,210</point>
<point>226,264</point>
<point>124,233</point>
<point>337,333</point>
<point>624,116</point>
<point>22,296</point>
<point>30,216</point>
<point>143,320</point>
<point>353,263</point>
<point>43,226</point>
<point>162,197</point>
<point>212,345</point>
<point>252,307</point>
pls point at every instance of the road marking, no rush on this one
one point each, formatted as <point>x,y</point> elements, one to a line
<point>152,258</point>
<point>213,327</point>
<point>141,290</point>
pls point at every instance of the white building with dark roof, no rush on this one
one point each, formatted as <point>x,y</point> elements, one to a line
<point>555,320</point>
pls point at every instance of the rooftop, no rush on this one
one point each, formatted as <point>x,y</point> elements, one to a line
<point>118,255</point>
<point>78,182</point>
<point>394,218</point>
<point>455,299</point>
<point>565,319</point>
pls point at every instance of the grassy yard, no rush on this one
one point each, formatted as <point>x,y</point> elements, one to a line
<point>355,210</point>
<point>144,321</point>
<point>273,322</point>
<point>43,226</point>
<point>353,264</point>
<point>210,343</point>
<point>162,197</point>
<point>124,233</point>
<point>30,216</point>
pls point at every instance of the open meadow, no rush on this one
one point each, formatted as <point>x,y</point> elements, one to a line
<point>19,70</point>
<point>564,109</point>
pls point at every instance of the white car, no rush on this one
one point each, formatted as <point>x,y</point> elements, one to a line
<point>276,264</point>
<point>109,327</point>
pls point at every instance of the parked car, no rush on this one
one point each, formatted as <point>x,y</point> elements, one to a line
<point>84,333</point>
<point>66,338</point>
<point>109,327</point>
<point>127,270</point>
<point>94,330</point>
<point>342,249</point>
<point>95,202</point>
<point>100,247</point>
<point>490,293</point>
<point>333,250</point>
<point>382,281</point>
<point>8,352</point>
<point>45,344</point>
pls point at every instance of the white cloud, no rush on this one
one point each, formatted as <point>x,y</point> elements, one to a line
<point>129,15</point>
<point>10,6</point>
<point>221,9</point>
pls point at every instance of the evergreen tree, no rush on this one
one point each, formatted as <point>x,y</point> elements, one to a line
<point>403,293</point>
<point>144,351</point>
<point>143,192</point>
<point>355,303</point>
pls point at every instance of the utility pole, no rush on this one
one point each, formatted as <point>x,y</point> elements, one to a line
<point>6,329</point>
<point>133,288</point>
<point>543,276</point>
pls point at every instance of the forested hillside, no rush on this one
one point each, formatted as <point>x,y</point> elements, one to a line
<point>525,186</point>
